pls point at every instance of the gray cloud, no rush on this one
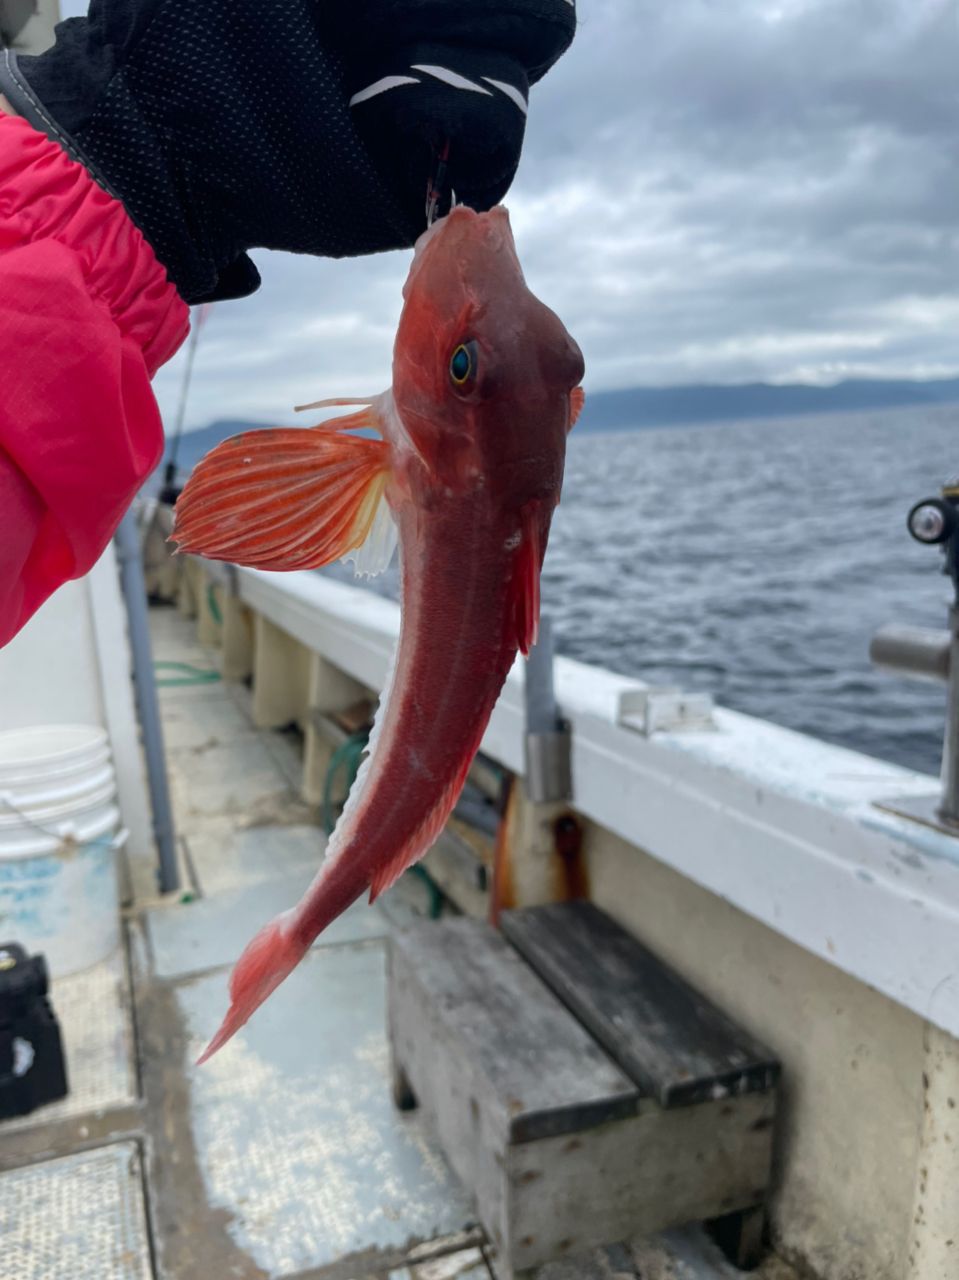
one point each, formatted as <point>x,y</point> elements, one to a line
<point>709,191</point>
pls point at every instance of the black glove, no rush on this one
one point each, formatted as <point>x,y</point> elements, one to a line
<point>226,125</point>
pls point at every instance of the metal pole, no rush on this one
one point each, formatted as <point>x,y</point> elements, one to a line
<point>548,742</point>
<point>541,713</point>
<point>144,685</point>
<point>949,807</point>
<point>198,320</point>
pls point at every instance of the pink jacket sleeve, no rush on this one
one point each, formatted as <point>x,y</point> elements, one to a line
<point>87,315</point>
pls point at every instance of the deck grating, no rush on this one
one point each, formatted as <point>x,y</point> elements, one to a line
<point>80,1217</point>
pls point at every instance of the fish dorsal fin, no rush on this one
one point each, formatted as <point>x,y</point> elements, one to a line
<point>285,498</point>
<point>524,587</point>
<point>577,398</point>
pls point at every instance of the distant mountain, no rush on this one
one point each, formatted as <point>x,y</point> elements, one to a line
<point>669,406</point>
<point>194,444</point>
<point>672,406</point>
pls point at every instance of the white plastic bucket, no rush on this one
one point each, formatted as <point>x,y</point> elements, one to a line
<point>44,750</point>
<point>58,845</point>
<point>49,804</point>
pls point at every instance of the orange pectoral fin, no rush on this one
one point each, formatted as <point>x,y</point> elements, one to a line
<point>577,398</point>
<point>524,588</point>
<point>285,498</point>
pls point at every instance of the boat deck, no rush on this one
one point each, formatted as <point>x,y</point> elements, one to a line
<point>283,1157</point>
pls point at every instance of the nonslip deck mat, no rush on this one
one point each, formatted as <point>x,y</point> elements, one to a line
<point>77,1218</point>
<point>299,1146</point>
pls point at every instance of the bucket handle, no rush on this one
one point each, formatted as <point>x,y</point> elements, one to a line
<point>115,841</point>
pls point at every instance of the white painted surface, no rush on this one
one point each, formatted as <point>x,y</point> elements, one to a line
<point>779,824</point>
<point>118,707</point>
<point>48,672</point>
<point>71,664</point>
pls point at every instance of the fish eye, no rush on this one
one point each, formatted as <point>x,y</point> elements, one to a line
<point>463,363</point>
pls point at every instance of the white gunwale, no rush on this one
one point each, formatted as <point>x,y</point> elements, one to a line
<point>781,825</point>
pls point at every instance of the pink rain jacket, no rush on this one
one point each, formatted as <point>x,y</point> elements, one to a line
<point>87,316</point>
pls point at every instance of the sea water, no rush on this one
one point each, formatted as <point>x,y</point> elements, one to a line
<point>754,560</point>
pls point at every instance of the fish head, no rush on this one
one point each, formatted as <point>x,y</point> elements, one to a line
<point>482,369</point>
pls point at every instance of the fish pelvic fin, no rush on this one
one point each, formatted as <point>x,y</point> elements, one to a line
<point>524,588</point>
<point>577,398</point>
<point>272,955</point>
<point>388,875</point>
<point>286,498</point>
<point>428,833</point>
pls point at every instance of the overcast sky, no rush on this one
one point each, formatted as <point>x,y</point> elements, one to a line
<point>711,190</point>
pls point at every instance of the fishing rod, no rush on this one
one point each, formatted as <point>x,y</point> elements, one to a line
<point>171,490</point>
<point>439,195</point>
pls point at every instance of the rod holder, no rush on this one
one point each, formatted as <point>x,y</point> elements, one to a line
<point>549,776</point>
<point>912,651</point>
<point>931,655</point>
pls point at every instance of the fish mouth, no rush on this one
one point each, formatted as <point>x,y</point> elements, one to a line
<point>465,224</point>
<point>462,226</point>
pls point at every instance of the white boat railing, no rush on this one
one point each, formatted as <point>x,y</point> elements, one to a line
<point>783,826</point>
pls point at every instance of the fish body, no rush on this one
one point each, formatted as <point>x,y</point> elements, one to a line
<point>468,469</point>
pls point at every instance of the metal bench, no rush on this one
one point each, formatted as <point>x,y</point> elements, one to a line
<point>579,1088</point>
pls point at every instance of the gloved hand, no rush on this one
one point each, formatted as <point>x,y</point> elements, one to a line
<point>433,72</point>
<point>304,125</point>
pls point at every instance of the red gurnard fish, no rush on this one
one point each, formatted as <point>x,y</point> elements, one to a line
<point>467,470</point>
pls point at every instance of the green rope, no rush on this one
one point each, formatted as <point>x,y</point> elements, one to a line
<point>347,755</point>
<point>189,674</point>
<point>435,892</point>
<point>212,602</point>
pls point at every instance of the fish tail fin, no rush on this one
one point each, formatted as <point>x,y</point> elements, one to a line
<point>272,955</point>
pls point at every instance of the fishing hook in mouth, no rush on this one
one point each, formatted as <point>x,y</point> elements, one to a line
<point>437,191</point>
